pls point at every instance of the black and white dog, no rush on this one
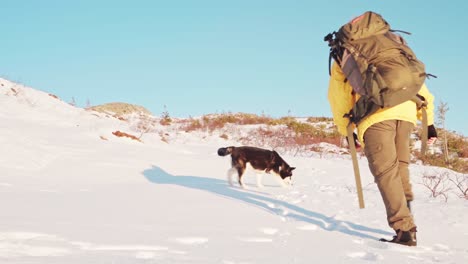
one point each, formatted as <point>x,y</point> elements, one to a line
<point>261,160</point>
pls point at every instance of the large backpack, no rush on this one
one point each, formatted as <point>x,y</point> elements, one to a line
<point>378,64</point>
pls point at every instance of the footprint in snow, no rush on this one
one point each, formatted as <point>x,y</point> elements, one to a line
<point>307,227</point>
<point>365,256</point>
<point>148,255</point>
<point>328,188</point>
<point>48,191</point>
<point>391,246</point>
<point>142,252</point>
<point>256,239</point>
<point>122,247</point>
<point>441,248</point>
<point>266,231</point>
<point>28,244</point>
<point>191,240</point>
<point>269,231</point>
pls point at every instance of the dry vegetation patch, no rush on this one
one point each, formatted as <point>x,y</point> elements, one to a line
<point>454,158</point>
<point>286,133</point>
<point>123,134</point>
<point>120,109</point>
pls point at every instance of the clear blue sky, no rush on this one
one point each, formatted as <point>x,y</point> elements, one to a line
<point>213,56</point>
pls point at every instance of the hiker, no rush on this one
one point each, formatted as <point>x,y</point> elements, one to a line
<point>385,133</point>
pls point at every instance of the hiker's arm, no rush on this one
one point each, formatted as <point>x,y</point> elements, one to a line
<point>430,105</point>
<point>340,98</point>
<point>432,133</point>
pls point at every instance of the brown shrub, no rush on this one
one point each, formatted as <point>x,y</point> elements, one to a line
<point>14,91</point>
<point>458,144</point>
<point>54,96</point>
<point>121,118</point>
<point>461,184</point>
<point>319,119</point>
<point>123,134</point>
<point>437,184</point>
<point>273,137</point>
<point>438,160</point>
<point>285,132</point>
<point>192,125</point>
<point>295,136</point>
<point>214,122</point>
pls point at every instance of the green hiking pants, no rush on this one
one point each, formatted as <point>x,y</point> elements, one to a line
<point>387,147</point>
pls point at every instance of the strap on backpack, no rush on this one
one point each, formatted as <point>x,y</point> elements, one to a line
<point>334,49</point>
<point>400,31</point>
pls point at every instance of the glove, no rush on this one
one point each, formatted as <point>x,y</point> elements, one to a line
<point>356,142</point>
<point>431,135</point>
<point>431,132</point>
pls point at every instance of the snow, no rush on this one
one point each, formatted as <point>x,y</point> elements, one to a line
<point>71,192</point>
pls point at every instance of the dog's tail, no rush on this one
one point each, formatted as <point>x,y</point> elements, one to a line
<point>225,151</point>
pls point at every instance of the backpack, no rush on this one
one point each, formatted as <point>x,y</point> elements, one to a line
<point>378,64</point>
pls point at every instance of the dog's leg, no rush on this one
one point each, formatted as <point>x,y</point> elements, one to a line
<point>259,180</point>
<point>240,172</point>
<point>230,172</point>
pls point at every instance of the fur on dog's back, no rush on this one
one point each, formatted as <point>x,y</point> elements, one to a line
<point>260,159</point>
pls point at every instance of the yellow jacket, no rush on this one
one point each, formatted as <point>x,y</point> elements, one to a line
<point>342,100</point>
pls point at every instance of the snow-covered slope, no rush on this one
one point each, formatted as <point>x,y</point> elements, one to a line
<point>72,192</point>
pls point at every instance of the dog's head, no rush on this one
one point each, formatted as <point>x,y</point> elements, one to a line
<point>286,173</point>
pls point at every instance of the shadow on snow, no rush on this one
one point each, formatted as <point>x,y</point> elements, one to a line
<point>219,187</point>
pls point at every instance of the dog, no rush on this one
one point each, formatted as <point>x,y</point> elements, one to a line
<point>261,160</point>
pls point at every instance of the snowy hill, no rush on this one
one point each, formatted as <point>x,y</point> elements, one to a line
<point>73,192</point>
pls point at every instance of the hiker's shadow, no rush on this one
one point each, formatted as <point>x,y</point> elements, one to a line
<point>220,187</point>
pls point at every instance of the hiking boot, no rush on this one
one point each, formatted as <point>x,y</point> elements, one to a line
<point>407,238</point>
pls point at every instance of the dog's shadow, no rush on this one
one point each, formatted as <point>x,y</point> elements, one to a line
<point>220,187</point>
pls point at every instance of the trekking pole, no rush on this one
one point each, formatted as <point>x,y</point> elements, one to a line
<point>424,132</point>
<point>422,104</point>
<point>357,175</point>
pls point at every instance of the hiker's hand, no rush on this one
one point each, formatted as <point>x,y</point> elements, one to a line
<point>356,142</point>
<point>431,141</point>
<point>431,135</point>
